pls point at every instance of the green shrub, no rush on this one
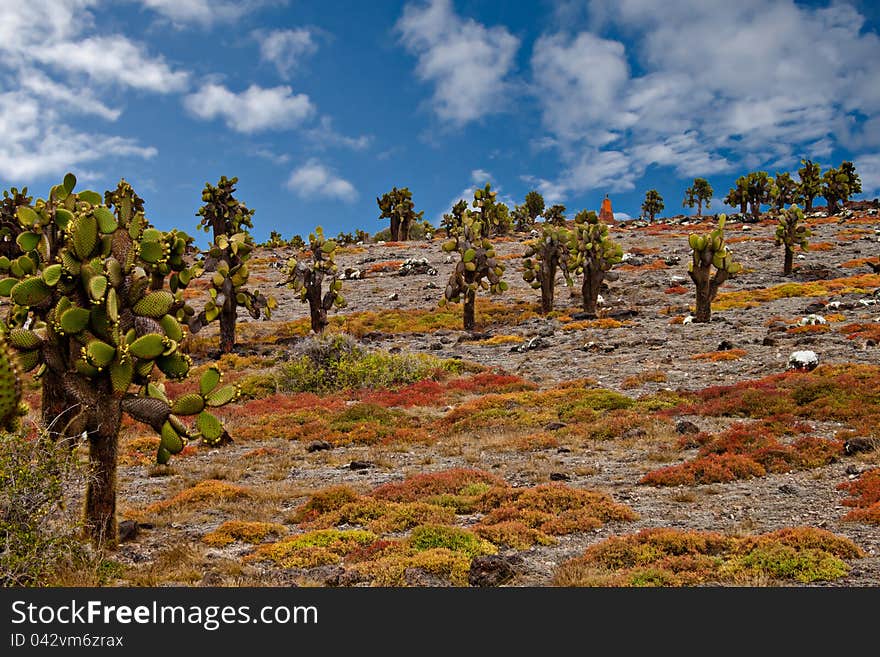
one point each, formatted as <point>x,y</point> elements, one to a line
<point>336,362</point>
<point>36,537</point>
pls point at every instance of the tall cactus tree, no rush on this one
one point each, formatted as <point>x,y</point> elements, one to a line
<point>835,189</point>
<point>810,183</point>
<point>697,194</point>
<point>452,221</point>
<point>228,219</point>
<point>534,204</point>
<point>855,182</point>
<point>790,232</point>
<point>653,204</point>
<point>555,215</point>
<point>593,254</point>
<point>784,191</point>
<point>550,253</point>
<point>89,315</point>
<point>709,252</point>
<point>738,195</point>
<point>494,216</point>
<point>476,269</point>
<point>758,186</point>
<point>397,205</point>
<point>306,277</point>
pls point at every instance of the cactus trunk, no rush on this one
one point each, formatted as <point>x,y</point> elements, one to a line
<point>548,282</point>
<point>703,312</point>
<point>808,203</point>
<point>470,322</point>
<point>789,261</point>
<point>228,317</point>
<point>699,208</point>
<point>100,504</point>
<point>55,410</point>
<point>590,289</point>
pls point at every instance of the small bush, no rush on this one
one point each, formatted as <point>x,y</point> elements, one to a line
<point>36,538</point>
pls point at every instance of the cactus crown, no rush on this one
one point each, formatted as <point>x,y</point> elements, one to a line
<point>555,215</point>
<point>791,230</point>
<point>709,251</point>
<point>87,300</point>
<point>222,213</point>
<point>590,245</point>
<point>477,267</point>
<point>550,250</point>
<point>306,277</point>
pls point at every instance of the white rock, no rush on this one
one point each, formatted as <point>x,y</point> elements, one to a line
<point>803,360</point>
<point>688,320</point>
<point>812,320</point>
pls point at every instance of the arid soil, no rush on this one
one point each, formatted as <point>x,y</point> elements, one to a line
<point>651,338</point>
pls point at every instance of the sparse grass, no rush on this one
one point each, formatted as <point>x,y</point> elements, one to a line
<point>860,284</point>
<point>716,356</point>
<point>244,531</point>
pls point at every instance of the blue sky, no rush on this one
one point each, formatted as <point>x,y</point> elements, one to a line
<point>319,107</point>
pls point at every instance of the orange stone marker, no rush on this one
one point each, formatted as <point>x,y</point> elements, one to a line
<point>606,214</point>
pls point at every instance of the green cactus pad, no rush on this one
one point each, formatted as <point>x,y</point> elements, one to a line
<point>107,223</point>
<point>6,286</point>
<point>162,455</point>
<point>52,274</point>
<point>224,395</point>
<point>63,218</point>
<point>209,426</point>
<point>174,366</point>
<point>30,292</point>
<point>28,360</point>
<point>10,386</point>
<point>121,375</point>
<point>152,252</point>
<point>90,197</point>
<point>209,380</point>
<point>154,304</point>
<point>24,339</point>
<point>148,346</point>
<point>97,288</point>
<point>27,241</point>
<point>99,354</point>
<point>171,327</point>
<point>85,236</point>
<point>190,404</point>
<point>74,320</point>
<point>171,440</point>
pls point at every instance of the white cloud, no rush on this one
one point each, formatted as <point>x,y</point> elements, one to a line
<point>201,12</point>
<point>706,86</point>
<point>253,110</point>
<point>868,168</point>
<point>55,65</point>
<point>315,180</point>
<point>324,134</point>
<point>37,144</point>
<point>286,48</point>
<point>114,60</point>
<point>466,61</point>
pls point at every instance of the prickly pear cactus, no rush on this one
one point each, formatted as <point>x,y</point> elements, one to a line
<point>477,267</point>
<point>306,277</point>
<point>226,261</point>
<point>494,216</point>
<point>397,206</point>
<point>543,257</point>
<point>791,231</point>
<point>555,215</point>
<point>709,252</point>
<point>93,314</point>
<point>593,254</point>
<point>452,221</point>
<point>10,387</point>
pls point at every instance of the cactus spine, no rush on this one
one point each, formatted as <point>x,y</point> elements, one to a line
<point>476,268</point>
<point>306,277</point>
<point>550,252</point>
<point>791,231</point>
<point>90,313</point>
<point>397,205</point>
<point>710,252</point>
<point>593,254</point>
<point>226,260</point>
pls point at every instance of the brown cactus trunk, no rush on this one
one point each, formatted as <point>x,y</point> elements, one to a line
<point>100,503</point>
<point>808,204</point>
<point>228,317</point>
<point>699,208</point>
<point>703,311</point>
<point>548,282</point>
<point>317,313</point>
<point>395,229</point>
<point>789,261</point>
<point>470,322</point>
<point>590,289</point>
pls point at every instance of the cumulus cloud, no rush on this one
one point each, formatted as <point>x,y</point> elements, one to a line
<point>205,13</point>
<point>253,110</point>
<point>706,86</point>
<point>314,180</point>
<point>286,48</point>
<point>467,62</point>
<point>59,71</point>
<point>868,166</point>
